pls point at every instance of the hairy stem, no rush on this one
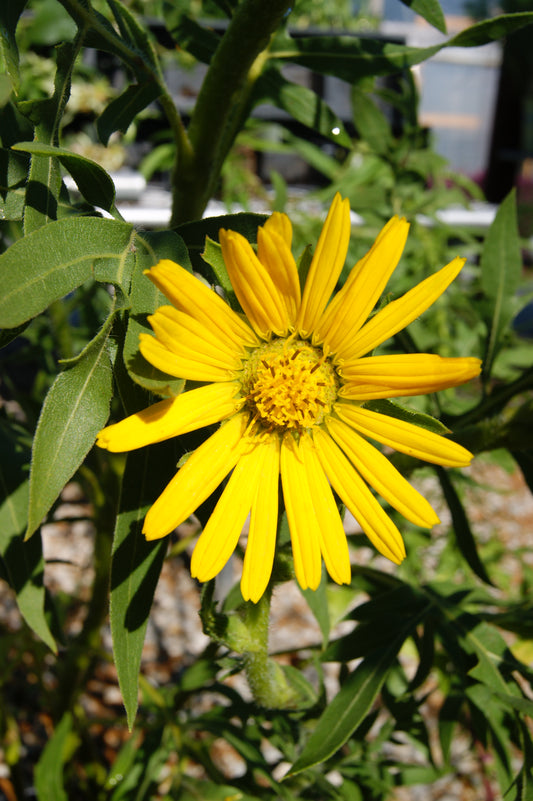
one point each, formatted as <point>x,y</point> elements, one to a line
<point>223,102</point>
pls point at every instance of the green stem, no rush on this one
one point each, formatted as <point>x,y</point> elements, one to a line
<point>266,678</point>
<point>219,110</point>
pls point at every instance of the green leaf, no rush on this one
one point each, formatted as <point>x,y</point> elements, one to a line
<point>394,409</point>
<point>430,10</point>
<point>44,179</point>
<point>13,176</point>
<point>121,112</point>
<point>49,779</point>
<point>136,564</point>
<point>133,32</point>
<point>370,122</point>
<point>501,266</point>
<point>74,411</point>
<point>200,42</point>
<point>350,706</point>
<point>302,104</point>
<point>22,561</point>
<point>524,460</point>
<point>194,234</point>
<point>52,261</point>
<point>212,255</point>
<point>461,526</point>
<point>94,183</point>
<point>353,58</point>
<point>9,56</point>
<point>317,601</point>
<point>145,299</point>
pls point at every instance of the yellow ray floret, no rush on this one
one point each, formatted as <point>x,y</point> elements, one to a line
<point>170,418</point>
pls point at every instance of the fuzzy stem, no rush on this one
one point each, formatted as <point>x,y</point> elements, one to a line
<point>267,680</point>
<point>222,102</point>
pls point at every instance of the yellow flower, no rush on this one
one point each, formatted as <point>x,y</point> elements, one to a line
<point>288,383</point>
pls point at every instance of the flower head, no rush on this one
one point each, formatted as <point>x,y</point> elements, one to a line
<point>288,384</point>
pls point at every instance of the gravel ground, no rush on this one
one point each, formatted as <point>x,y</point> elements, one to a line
<point>174,635</point>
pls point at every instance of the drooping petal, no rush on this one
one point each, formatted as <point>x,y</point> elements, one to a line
<point>326,265</point>
<point>382,475</point>
<point>259,555</point>
<point>260,298</point>
<point>275,254</point>
<point>305,536</point>
<point>191,367</point>
<point>221,534</point>
<point>332,537</point>
<point>201,474</point>
<point>170,418</point>
<point>404,374</point>
<point>351,306</point>
<point>405,437</point>
<point>187,337</point>
<point>355,494</point>
<point>399,313</point>
<point>189,294</point>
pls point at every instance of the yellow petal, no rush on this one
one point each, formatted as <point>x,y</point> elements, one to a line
<point>201,474</point>
<point>221,534</point>
<point>259,555</point>
<point>326,265</point>
<point>398,314</point>
<point>189,367</point>
<point>190,339</point>
<point>351,306</point>
<point>276,256</point>
<point>405,437</point>
<point>258,295</point>
<point>189,294</point>
<point>171,418</point>
<point>332,537</point>
<point>382,475</point>
<point>404,374</point>
<point>356,496</point>
<point>305,536</point>
<point>282,225</point>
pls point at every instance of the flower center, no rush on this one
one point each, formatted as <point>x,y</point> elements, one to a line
<point>289,385</point>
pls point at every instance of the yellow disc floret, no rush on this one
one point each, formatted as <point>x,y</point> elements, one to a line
<point>289,385</point>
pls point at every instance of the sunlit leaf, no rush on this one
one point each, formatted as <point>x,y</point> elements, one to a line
<point>75,409</point>
<point>501,266</point>
<point>302,104</point>
<point>94,183</point>
<point>52,261</point>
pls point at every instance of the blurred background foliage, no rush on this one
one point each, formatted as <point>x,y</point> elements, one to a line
<point>433,659</point>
